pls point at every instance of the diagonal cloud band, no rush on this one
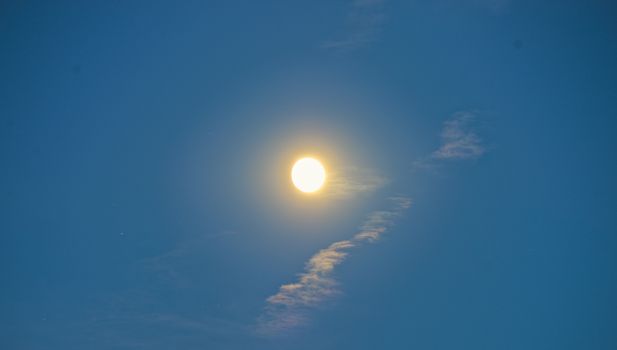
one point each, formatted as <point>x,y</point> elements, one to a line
<point>289,308</point>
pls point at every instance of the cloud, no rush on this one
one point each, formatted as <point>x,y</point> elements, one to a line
<point>364,23</point>
<point>147,312</point>
<point>146,329</point>
<point>351,181</point>
<point>459,141</point>
<point>167,268</point>
<point>289,308</point>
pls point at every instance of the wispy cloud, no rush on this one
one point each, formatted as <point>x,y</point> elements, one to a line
<point>167,267</point>
<point>147,313</point>
<point>351,181</point>
<point>289,308</point>
<point>363,25</point>
<point>459,141</point>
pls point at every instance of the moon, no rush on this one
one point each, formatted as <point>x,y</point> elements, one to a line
<point>308,175</point>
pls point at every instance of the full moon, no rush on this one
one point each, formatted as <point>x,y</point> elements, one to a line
<point>308,175</point>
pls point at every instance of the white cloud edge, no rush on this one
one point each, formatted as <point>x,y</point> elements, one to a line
<point>289,307</point>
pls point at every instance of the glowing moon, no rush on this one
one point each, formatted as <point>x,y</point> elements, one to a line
<point>308,175</point>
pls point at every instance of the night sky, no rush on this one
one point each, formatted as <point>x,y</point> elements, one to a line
<point>470,200</point>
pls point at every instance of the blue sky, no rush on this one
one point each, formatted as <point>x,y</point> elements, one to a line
<point>147,204</point>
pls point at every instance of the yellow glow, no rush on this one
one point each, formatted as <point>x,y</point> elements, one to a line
<point>308,175</point>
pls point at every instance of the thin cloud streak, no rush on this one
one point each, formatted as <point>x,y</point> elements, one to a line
<point>167,267</point>
<point>351,181</point>
<point>364,23</point>
<point>459,141</point>
<point>288,309</point>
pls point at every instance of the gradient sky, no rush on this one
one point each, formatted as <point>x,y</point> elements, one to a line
<point>147,204</point>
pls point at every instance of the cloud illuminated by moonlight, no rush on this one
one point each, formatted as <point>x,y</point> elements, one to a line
<point>289,308</point>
